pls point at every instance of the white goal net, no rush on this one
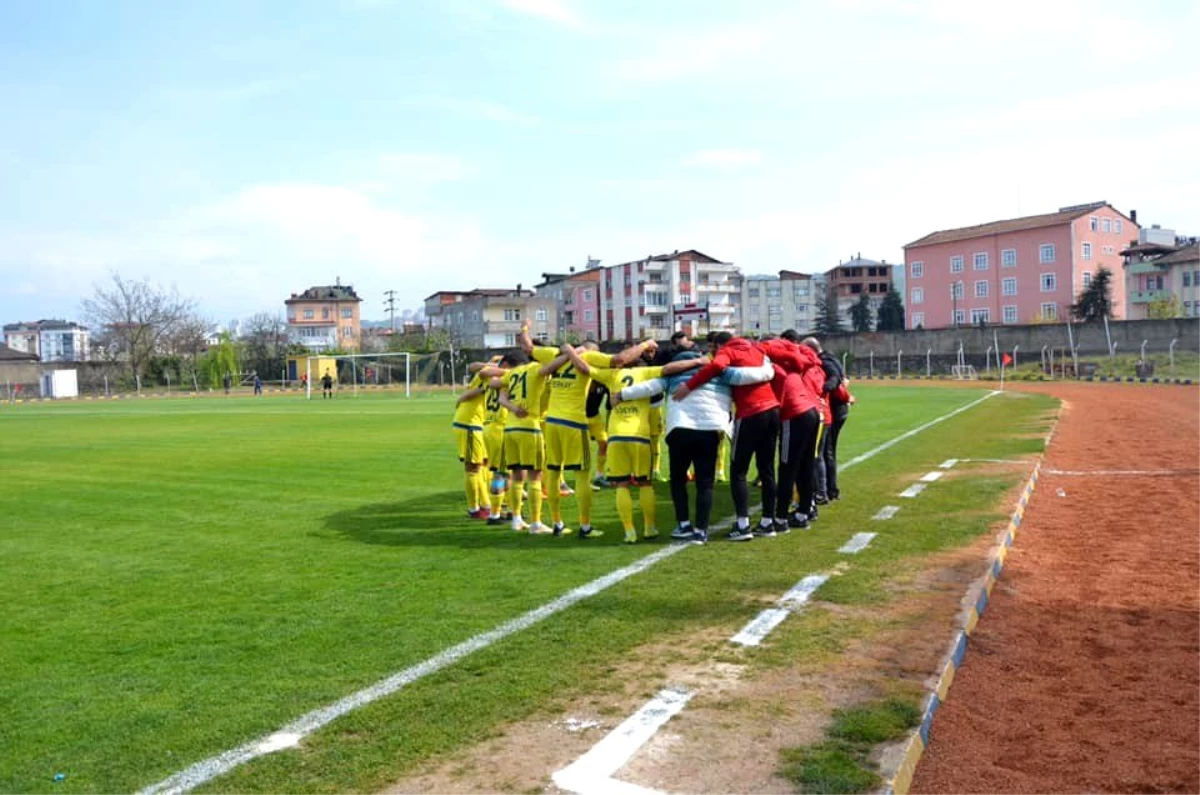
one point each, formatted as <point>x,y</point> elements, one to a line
<point>964,372</point>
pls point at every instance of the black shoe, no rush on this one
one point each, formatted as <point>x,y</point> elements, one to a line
<point>781,527</point>
<point>821,499</point>
<point>812,515</point>
<point>835,495</point>
<point>764,530</point>
<point>495,520</point>
<point>798,521</point>
<point>738,534</point>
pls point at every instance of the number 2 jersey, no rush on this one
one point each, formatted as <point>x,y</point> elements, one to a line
<point>629,420</point>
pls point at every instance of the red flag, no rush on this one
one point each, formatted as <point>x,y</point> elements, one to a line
<point>1007,360</point>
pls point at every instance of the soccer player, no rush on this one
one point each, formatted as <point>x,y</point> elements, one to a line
<point>598,431</point>
<point>524,449</point>
<point>468,432</point>
<point>566,427</point>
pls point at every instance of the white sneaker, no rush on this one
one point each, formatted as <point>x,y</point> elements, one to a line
<point>519,524</point>
<point>539,529</point>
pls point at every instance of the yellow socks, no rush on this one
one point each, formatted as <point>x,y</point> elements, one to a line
<point>535,503</point>
<point>649,510</point>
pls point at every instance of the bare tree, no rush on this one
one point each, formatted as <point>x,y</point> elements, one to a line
<point>264,341</point>
<point>134,318</point>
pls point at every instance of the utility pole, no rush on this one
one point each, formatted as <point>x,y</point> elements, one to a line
<point>390,303</point>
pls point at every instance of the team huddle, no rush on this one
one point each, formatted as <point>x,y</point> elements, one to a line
<point>528,418</point>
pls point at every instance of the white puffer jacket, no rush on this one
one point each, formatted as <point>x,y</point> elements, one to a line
<point>706,408</point>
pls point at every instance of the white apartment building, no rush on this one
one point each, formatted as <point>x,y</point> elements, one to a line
<point>774,303</point>
<point>658,295</point>
<point>49,340</point>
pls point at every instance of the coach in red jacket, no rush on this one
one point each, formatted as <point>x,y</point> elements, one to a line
<point>756,430</point>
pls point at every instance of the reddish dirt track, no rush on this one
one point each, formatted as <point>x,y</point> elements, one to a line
<point>1083,674</point>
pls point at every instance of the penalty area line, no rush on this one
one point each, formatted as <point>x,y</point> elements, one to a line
<point>290,735</point>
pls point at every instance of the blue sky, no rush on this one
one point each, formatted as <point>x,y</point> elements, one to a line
<point>241,151</point>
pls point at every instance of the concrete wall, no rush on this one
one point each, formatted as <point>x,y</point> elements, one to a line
<point>1089,339</point>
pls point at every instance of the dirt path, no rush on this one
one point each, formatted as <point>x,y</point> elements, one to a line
<point>1083,674</point>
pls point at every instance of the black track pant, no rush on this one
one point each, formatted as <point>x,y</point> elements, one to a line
<point>754,437</point>
<point>696,449</point>
<point>797,457</point>
<point>829,452</point>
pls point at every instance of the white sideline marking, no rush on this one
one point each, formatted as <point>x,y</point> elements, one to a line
<point>212,767</point>
<point>949,462</point>
<point>886,512</point>
<point>222,763</point>
<point>930,477</point>
<point>857,544</point>
<point>913,490</point>
<point>753,633</point>
<point>1111,472</point>
<point>593,771</point>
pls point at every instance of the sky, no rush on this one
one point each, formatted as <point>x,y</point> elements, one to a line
<point>238,151</point>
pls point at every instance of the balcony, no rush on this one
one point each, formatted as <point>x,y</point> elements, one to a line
<point>721,309</point>
<point>654,309</point>
<point>717,287</point>
<point>1138,268</point>
<point>1149,296</point>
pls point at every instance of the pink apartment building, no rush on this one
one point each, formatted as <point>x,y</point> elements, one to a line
<point>1022,270</point>
<point>578,297</point>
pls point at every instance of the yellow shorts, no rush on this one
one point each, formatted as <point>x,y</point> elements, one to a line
<point>524,449</point>
<point>469,442</point>
<point>493,443</point>
<point>598,429</point>
<point>567,447</point>
<point>656,421</point>
<point>628,460</point>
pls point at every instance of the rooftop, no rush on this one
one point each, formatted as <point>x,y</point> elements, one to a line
<point>1063,216</point>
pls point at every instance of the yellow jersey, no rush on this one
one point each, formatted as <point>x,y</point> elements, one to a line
<point>493,412</point>
<point>526,388</point>
<point>569,388</point>
<point>629,419</point>
<point>469,413</point>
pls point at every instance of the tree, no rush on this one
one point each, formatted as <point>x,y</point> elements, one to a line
<point>827,321</point>
<point>133,319</point>
<point>860,314</point>
<point>1164,309</point>
<point>891,313</point>
<point>220,360</point>
<point>264,344</point>
<point>1095,302</point>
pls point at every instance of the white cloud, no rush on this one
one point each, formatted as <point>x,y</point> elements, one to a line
<point>556,11</point>
<point>724,158</point>
<point>423,168</point>
<point>480,109</point>
<point>688,53</point>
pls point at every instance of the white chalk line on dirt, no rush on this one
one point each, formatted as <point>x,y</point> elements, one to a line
<point>761,625</point>
<point>291,734</point>
<point>1107,473</point>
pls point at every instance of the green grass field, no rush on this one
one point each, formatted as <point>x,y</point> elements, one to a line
<point>186,575</point>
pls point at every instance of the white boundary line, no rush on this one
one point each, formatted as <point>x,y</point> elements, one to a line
<point>294,732</point>
<point>913,490</point>
<point>753,633</point>
<point>886,512</point>
<point>857,543</point>
<point>930,477</point>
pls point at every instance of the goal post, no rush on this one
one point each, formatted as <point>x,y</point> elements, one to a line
<point>360,370</point>
<point>964,372</point>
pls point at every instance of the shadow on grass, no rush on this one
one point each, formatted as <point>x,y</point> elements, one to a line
<point>437,520</point>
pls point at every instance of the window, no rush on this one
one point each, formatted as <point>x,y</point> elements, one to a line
<point>754,311</point>
<point>308,314</point>
<point>1049,311</point>
<point>956,290</point>
<point>981,289</point>
<point>981,261</point>
<point>1009,286</point>
<point>539,314</point>
<point>587,295</point>
<point>956,264</point>
<point>918,320</point>
<point>1049,282</point>
<point>1117,226</point>
<point>1105,225</point>
<point>979,316</point>
<point>918,295</point>
<point>801,290</point>
<point>1094,222</point>
<point>1010,313</point>
<point>774,291</point>
<point>347,313</point>
<point>510,340</point>
<point>658,321</point>
<point>512,314</point>
<point>1046,252</point>
<point>754,291</point>
<point>1008,258</point>
<point>1086,252</point>
<point>347,331</point>
<point>960,317</point>
<point>1087,280</point>
<point>1187,278</point>
<point>918,269</point>
<point>587,315</point>
<point>325,313</point>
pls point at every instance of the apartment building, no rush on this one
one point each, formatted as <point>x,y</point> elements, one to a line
<point>49,340</point>
<point>859,275</point>
<point>1019,270</point>
<point>658,295</point>
<point>577,295</point>
<point>1164,270</point>
<point>775,303</point>
<point>492,318</point>
<point>325,318</point>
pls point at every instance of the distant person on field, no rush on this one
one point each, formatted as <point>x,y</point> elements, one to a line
<point>327,386</point>
<point>227,382</point>
<point>257,384</point>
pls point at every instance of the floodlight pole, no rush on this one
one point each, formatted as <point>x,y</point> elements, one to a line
<point>407,380</point>
<point>1171,351</point>
<point>928,372</point>
<point>898,355</point>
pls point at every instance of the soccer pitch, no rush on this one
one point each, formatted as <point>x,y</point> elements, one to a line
<point>184,576</point>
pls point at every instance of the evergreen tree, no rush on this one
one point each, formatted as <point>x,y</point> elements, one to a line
<point>827,321</point>
<point>891,313</point>
<point>860,314</point>
<point>1095,302</point>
